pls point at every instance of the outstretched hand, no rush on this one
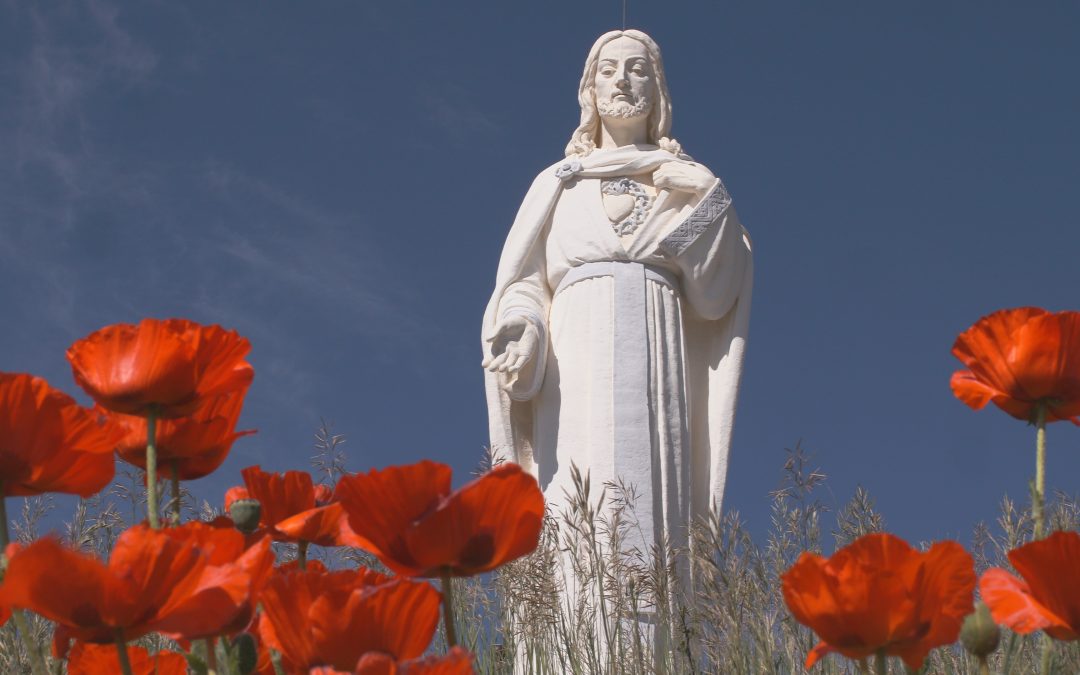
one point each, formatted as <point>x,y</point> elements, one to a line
<point>513,346</point>
<point>683,177</point>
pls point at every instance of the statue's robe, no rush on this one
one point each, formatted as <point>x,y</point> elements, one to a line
<point>637,371</point>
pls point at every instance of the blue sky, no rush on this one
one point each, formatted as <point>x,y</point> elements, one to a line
<point>335,180</point>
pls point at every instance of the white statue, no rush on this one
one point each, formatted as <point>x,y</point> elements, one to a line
<point>615,335</point>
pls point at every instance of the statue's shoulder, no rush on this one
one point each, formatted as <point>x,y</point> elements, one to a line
<point>552,175</point>
<point>552,170</point>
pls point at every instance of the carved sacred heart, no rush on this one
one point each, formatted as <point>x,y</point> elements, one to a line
<point>618,207</point>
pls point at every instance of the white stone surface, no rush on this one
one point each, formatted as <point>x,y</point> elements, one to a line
<point>622,353</point>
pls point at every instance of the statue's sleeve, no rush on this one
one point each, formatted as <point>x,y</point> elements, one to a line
<point>528,295</point>
<point>712,250</point>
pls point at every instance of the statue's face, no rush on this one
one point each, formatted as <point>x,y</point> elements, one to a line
<point>625,85</point>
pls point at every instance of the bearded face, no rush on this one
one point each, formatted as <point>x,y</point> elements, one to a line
<point>625,84</point>
<point>624,109</point>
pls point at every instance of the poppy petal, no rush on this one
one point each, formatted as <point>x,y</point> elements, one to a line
<point>1049,568</point>
<point>971,390</point>
<point>320,526</point>
<point>51,444</point>
<point>1011,603</point>
<point>224,595</point>
<point>1019,359</point>
<point>1048,597</point>
<point>820,650</point>
<point>487,523</point>
<point>985,348</point>
<point>946,584</point>
<point>383,504</point>
<point>193,446</point>
<point>77,599</point>
<point>880,593</point>
<point>173,366</point>
<point>234,494</point>
<point>127,369</point>
<point>397,618</point>
<point>281,495</point>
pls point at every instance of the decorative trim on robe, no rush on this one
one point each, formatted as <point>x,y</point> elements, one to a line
<point>704,214</point>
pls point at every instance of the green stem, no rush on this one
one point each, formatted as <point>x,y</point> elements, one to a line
<point>211,656</point>
<point>1040,470</point>
<point>984,667</point>
<point>863,668</point>
<point>151,469</point>
<point>301,555</point>
<point>448,609</point>
<point>121,649</point>
<point>37,666</point>
<point>275,660</point>
<point>881,665</point>
<point>175,495</point>
<point>37,663</point>
<point>1047,647</point>
<point>1009,647</point>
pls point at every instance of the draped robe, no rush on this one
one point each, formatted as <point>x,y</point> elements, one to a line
<point>641,346</point>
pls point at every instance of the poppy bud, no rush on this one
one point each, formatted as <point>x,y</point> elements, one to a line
<point>245,514</point>
<point>979,634</point>
<point>247,655</point>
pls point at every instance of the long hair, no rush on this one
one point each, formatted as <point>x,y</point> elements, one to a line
<point>587,135</point>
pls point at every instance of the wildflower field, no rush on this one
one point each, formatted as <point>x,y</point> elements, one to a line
<point>395,571</point>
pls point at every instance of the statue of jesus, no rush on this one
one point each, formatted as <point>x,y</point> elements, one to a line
<point>614,339</point>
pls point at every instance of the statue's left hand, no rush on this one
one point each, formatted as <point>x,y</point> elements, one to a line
<point>692,177</point>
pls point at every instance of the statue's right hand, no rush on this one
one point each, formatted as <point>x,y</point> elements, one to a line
<point>513,346</point>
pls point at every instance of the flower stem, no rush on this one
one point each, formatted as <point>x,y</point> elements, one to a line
<point>275,660</point>
<point>37,663</point>
<point>175,495</point>
<point>211,656</point>
<point>151,469</point>
<point>448,609</point>
<point>1047,646</point>
<point>881,666</point>
<point>1009,647</point>
<point>1037,505</point>
<point>121,649</point>
<point>301,555</point>
<point>984,667</point>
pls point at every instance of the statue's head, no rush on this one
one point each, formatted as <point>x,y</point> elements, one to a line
<point>624,79</point>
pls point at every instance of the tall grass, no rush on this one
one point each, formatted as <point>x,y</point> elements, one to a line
<point>717,605</point>
<point>585,604</point>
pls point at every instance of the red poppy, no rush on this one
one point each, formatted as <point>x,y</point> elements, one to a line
<point>1048,598</point>
<point>455,662</point>
<point>172,366</point>
<point>409,518</point>
<point>315,618</point>
<point>91,659</point>
<point>1021,358</point>
<point>229,587</point>
<point>150,583</point>
<point>291,508</point>
<point>192,446</point>
<point>50,443</point>
<point>880,593</point>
